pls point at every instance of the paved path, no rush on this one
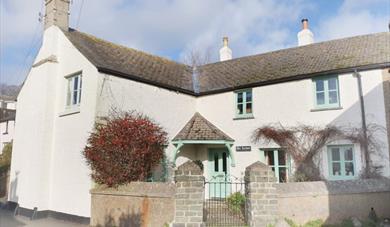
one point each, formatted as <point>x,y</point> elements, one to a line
<point>8,220</point>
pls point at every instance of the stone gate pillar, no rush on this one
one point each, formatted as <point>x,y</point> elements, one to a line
<point>189,196</point>
<point>261,195</point>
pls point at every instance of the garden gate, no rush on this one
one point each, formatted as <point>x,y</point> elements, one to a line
<point>224,203</point>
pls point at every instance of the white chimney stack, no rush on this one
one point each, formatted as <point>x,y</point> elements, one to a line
<point>225,53</point>
<point>305,36</point>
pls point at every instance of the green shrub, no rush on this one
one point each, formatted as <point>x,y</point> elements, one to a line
<point>291,222</point>
<point>314,223</point>
<point>236,201</point>
<point>5,158</point>
<point>347,223</point>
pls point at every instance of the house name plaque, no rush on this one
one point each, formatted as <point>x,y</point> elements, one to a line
<point>243,148</point>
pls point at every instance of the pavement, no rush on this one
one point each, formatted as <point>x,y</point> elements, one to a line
<point>7,219</point>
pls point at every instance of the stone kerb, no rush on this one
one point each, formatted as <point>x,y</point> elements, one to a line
<point>189,196</point>
<point>261,195</point>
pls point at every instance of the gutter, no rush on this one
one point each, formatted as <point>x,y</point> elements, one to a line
<point>363,116</point>
<point>196,75</point>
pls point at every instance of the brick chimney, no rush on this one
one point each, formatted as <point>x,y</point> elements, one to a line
<point>225,53</point>
<point>57,13</point>
<point>305,36</point>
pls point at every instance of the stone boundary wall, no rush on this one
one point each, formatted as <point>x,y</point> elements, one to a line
<point>261,195</point>
<point>189,196</point>
<point>136,204</point>
<point>333,201</point>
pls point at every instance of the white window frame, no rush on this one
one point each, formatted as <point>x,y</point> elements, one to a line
<point>71,90</point>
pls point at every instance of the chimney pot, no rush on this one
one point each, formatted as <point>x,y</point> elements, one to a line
<point>305,36</point>
<point>305,23</point>
<point>225,53</point>
<point>225,41</point>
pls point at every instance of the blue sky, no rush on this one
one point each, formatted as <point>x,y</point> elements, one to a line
<point>173,28</point>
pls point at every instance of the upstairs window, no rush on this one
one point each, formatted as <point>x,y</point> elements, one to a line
<point>326,90</point>
<point>244,100</point>
<point>341,162</point>
<point>73,96</point>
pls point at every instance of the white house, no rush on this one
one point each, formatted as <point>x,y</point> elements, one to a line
<point>7,120</point>
<point>209,112</point>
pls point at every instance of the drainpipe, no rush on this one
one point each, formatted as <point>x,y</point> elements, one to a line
<point>363,116</point>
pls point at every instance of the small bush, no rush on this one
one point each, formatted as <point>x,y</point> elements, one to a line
<point>236,201</point>
<point>5,158</point>
<point>125,148</point>
<point>314,223</point>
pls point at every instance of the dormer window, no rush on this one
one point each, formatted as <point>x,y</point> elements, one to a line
<point>73,96</point>
<point>244,106</point>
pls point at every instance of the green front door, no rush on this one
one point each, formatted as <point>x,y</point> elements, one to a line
<point>218,173</point>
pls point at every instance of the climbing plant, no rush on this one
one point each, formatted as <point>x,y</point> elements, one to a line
<point>303,142</point>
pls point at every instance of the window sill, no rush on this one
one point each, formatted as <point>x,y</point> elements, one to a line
<point>70,111</point>
<point>244,117</point>
<point>340,178</point>
<point>326,108</point>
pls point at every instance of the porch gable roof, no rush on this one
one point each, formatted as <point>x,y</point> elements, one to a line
<point>199,128</point>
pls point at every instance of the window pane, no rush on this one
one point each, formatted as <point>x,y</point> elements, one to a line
<point>75,83</point>
<point>74,97</point>
<point>80,89</point>
<point>320,98</point>
<point>348,154</point>
<point>332,84</point>
<point>239,97</point>
<point>249,96</point>
<point>224,162</point>
<point>335,154</point>
<point>333,97</point>
<point>349,171</point>
<point>240,109</point>
<point>282,158</point>
<point>336,169</point>
<point>68,93</point>
<point>79,96</point>
<point>270,157</point>
<point>319,85</point>
<point>216,169</point>
<point>248,108</point>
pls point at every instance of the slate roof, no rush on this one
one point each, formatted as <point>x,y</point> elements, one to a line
<point>199,128</point>
<point>130,63</point>
<point>336,56</point>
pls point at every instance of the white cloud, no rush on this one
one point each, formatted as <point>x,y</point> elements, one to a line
<point>174,27</point>
<point>163,26</point>
<point>355,17</point>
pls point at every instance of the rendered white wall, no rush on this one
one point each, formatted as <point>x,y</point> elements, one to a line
<point>291,103</point>
<point>52,174</point>
<point>172,110</point>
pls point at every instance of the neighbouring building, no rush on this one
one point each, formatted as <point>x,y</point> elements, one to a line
<point>210,111</point>
<point>7,120</point>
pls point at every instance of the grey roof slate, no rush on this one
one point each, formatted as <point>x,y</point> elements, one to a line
<point>342,55</point>
<point>131,63</point>
<point>199,128</point>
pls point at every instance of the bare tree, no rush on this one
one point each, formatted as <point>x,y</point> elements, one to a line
<point>196,57</point>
